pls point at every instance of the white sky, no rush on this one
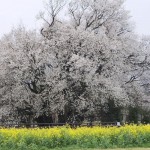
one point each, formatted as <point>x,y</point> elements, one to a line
<point>14,12</point>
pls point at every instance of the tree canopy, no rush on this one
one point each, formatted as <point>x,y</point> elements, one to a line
<point>86,66</point>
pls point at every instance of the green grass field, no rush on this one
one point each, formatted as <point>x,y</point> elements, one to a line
<point>108,149</point>
<point>74,148</point>
<point>111,149</point>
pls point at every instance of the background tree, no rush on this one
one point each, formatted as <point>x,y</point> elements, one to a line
<point>78,69</point>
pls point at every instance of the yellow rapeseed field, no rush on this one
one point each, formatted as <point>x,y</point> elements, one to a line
<point>93,137</point>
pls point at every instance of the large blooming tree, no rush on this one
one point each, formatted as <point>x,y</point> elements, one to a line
<point>72,69</point>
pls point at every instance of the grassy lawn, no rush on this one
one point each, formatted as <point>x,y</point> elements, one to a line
<point>146,147</point>
<point>117,149</point>
<point>77,148</point>
<point>71,148</point>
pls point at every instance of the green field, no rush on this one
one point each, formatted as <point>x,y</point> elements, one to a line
<point>80,138</point>
<point>74,148</point>
<point>109,149</point>
<point>105,149</point>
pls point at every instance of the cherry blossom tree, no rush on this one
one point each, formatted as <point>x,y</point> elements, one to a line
<point>75,69</point>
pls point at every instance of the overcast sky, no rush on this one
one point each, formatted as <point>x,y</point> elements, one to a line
<point>14,12</point>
